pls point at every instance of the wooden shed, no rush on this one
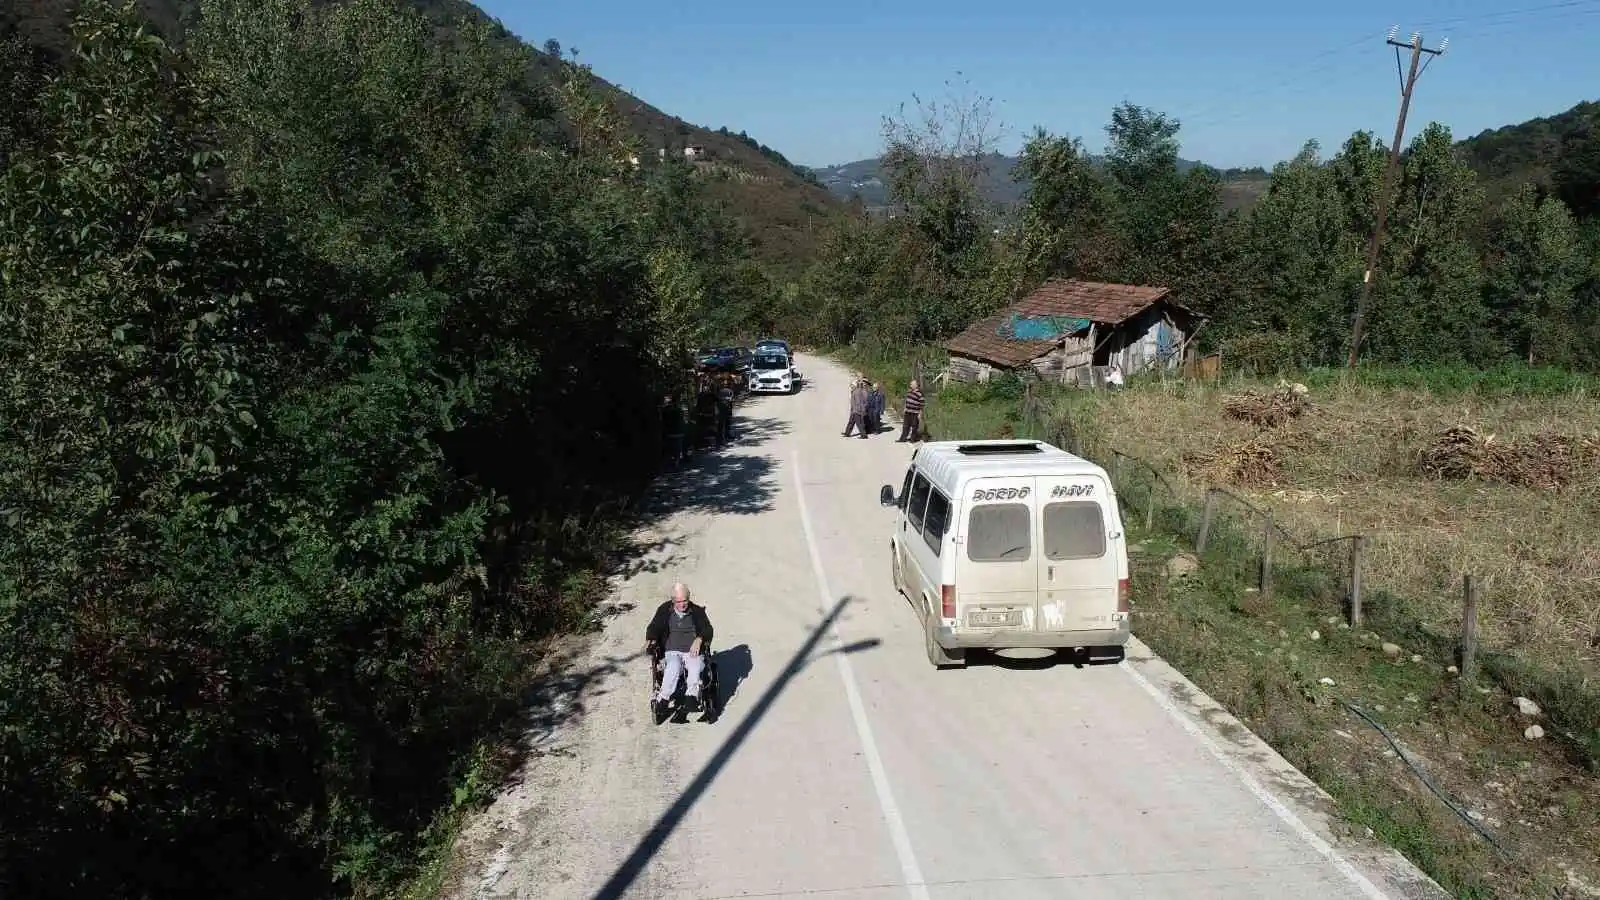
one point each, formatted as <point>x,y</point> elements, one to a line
<point>1073,331</point>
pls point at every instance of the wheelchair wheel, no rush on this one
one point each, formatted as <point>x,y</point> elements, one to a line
<point>710,689</point>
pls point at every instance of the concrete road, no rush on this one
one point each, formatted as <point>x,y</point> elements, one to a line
<point>845,766</point>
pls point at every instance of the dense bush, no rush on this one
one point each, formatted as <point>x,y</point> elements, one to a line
<point>325,350</point>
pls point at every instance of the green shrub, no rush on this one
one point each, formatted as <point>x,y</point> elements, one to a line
<point>319,386</point>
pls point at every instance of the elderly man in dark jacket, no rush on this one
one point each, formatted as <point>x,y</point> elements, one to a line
<point>682,629</point>
<point>875,404</point>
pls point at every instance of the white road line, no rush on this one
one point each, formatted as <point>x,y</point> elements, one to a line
<point>1273,803</point>
<point>880,780</point>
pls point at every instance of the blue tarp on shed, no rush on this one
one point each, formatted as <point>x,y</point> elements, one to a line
<point>1018,327</point>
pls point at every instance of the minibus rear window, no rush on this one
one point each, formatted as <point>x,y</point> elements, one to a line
<point>999,532</point>
<point>1074,530</point>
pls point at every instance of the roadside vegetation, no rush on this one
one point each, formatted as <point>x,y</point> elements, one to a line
<point>1392,463</point>
<point>334,337</point>
<point>1331,698</point>
<point>333,346</point>
<point>1466,442</point>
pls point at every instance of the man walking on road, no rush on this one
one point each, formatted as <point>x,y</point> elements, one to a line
<point>912,413</point>
<point>859,399</point>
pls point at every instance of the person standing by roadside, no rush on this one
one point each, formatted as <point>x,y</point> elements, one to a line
<point>672,429</point>
<point>875,404</point>
<point>911,430</point>
<point>725,410</point>
<point>705,413</point>
<point>858,409</point>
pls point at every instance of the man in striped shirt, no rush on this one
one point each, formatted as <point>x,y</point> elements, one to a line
<point>912,416</point>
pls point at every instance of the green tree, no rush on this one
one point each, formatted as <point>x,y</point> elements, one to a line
<point>1302,259</point>
<point>1428,304</point>
<point>1534,265</point>
<point>1067,213</point>
<point>1358,174</point>
<point>1577,174</point>
<point>935,165</point>
<point>284,318</point>
<point>1166,223</point>
<point>1142,150</point>
<point>137,302</point>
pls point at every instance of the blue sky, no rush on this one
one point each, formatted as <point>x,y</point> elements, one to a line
<point>1251,80</point>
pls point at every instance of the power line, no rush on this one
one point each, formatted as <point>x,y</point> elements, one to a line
<point>1206,111</point>
<point>1502,26</point>
<point>1498,13</point>
<point>1410,83</point>
<point>1228,109</point>
<point>1575,11</point>
<point>1231,113</point>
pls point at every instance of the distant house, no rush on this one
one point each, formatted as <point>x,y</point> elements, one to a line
<point>1074,331</point>
<point>695,153</point>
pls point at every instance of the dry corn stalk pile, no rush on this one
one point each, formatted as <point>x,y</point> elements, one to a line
<point>1269,410</point>
<point>1248,464</point>
<point>1542,461</point>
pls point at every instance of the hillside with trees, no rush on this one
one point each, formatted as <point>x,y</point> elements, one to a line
<point>334,347</point>
<point>779,207</point>
<point>1559,152</point>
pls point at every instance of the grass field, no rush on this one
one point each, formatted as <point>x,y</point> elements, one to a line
<point>1527,816</point>
<point>1350,465</point>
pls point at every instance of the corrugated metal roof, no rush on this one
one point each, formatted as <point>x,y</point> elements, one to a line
<point>1101,303</point>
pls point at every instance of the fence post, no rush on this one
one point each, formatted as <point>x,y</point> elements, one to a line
<point>1205,521</point>
<point>1266,558</point>
<point>1470,591</point>
<point>1358,549</point>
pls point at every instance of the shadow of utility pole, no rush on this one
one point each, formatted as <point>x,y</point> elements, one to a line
<point>653,841</point>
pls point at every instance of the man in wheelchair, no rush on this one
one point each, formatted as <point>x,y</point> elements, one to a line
<point>680,632</point>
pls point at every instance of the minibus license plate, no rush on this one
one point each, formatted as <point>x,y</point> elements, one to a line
<point>994,617</point>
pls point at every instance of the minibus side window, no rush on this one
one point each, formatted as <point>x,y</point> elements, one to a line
<point>1074,530</point>
<point>938,521</point>
<point>999,532</point>
<point>918,502</point>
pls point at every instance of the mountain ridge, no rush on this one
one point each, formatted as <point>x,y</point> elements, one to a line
<point>863,178</point>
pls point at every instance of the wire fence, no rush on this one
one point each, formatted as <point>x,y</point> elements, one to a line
<point>1328,573</point>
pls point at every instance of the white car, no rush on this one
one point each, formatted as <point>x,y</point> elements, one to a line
<point>773,373</point>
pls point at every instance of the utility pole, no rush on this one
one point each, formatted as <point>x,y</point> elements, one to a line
<point>1357,332</point>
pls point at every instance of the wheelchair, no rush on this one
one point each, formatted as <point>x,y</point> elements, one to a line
<point>710,701</point>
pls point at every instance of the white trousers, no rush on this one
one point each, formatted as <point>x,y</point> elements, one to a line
<point>674,664</point>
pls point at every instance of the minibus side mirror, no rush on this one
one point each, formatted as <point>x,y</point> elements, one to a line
<point>886,496</point>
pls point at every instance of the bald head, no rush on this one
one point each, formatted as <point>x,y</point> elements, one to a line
<point>680,594</point>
